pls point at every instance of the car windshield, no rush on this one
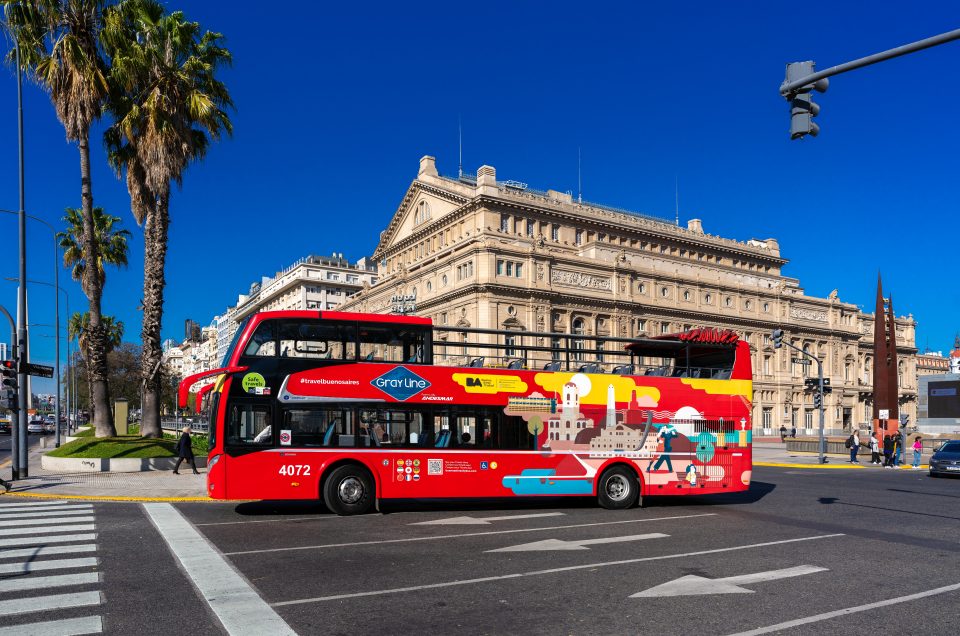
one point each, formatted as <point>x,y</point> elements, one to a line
<point>950,447</point>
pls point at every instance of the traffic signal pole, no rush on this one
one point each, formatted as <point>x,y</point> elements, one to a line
<point>794,86</point>
<point>14,429</point>
<point>777,343</point>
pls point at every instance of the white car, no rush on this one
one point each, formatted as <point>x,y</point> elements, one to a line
<point>35,426</point>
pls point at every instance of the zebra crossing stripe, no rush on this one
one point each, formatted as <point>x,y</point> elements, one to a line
<point>67,538</point>
<point>14,524</point>
<point>25,567</point>
<point>66,627</point>
<point>35,531</point>
<point>40,582</point>
<point>47,551</point>
<point>80,510</point>
<point>28,503</point>
<point>53,601</point>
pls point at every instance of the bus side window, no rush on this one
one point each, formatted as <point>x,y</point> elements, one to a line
<point>513,434</point>
<point>249,425</point>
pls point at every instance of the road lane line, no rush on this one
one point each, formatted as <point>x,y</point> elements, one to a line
<point>238,607</point>
<point>849,610</point>
<point>48,550</point>
<point>83,527</point>
<point>25,567</point>
<point>86,510</point>
<point>11,525</point>
<point>90,536</point>
<point>65,627</point>
<point>41,582</point>
<point>227,523</point>
<point>30,604</point>
<point>569,568</point>
<point>9,512</point>
<point>470,521</point>
<point>468,534</point>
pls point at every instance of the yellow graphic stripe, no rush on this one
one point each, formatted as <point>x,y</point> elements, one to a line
<point>722,387</point>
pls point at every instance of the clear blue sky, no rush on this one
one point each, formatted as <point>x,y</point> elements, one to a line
<point>336,104</point>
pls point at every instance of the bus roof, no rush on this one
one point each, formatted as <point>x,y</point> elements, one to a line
<point>343,315</point>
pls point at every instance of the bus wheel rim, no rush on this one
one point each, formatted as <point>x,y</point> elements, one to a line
<point>617,487</point>
<point>350,490</point>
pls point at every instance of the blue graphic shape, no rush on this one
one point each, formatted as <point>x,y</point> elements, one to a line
<point>400,383</point>
<point>542,481</point>
<point>484,465</point>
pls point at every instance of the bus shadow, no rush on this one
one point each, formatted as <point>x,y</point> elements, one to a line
<point>758,490</point>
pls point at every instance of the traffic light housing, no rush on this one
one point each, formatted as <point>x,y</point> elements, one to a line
<point>8,384</point>
<point>777,338</point>
<point>802,107</point>
<point>817,400</point>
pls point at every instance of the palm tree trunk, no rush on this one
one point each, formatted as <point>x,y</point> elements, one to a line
<point>154,261</point>
<point>92,287</point>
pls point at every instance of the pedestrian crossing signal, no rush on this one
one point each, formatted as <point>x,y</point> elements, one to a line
<point>8,384</point>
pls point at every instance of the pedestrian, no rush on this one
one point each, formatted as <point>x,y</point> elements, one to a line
<point>874,449</point>
<point>917,451</point>
<point>854,447</point>
<point>793,432</point>
<point>888,451</point>
<point>898,448</point>
<point>185,451</point>
<point>783,433</point>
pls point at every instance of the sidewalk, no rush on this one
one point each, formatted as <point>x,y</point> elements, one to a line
<point>165,486</point>
<point>160,485</point>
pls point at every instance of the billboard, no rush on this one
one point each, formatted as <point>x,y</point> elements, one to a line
<point>943,399</point>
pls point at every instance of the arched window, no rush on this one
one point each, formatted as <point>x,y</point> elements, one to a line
<point>422,213</point>
<point>578,327</point>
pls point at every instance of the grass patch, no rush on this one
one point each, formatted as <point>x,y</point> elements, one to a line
<point>199,443</point>
<point>125,446</point>
<point>85,433</point>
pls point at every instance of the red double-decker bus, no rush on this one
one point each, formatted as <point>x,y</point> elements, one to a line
<point>356,408</point>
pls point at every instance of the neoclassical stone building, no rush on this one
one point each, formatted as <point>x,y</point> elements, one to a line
<point>478,252</point>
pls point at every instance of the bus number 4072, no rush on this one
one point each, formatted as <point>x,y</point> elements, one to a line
<point>295,469</point>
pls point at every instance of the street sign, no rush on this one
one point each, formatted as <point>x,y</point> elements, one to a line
<point>884,414</point>
<point>799,361</point>
<point>39,370</point>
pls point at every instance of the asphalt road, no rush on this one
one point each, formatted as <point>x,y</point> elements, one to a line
<point>817,542</point>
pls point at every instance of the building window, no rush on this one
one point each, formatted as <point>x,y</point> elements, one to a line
<point>686,295</point>
<point>641,325</point>
<point>767,417</point>
<point>707,298</point>
<point>748,305</point>
<point>579,237</point>
<point>766,365</point>
<point>665,292</point>
<point>641,288</point>
<point>465,270</point>
<point>530,226</point>
<point>578,344</point>
<point>422,214</point>
<point>443,318</point>
<point>499,267</point>
<point>728,301</point>
<point>519,270</point>
<point>510,342</point>
<point>808,418</point>
<point>504,222</point>
<point>443,281</point>
<point>766,308</point>
<point>429,286</point>
<point>555,232</point>
<point>509,268</point>
<point>665,328</point>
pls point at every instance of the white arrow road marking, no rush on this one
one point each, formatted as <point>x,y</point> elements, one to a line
<point>476,521</point>
<point>693,585</point>
<point>560,544</point>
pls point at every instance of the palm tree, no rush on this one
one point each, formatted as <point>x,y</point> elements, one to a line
<point>59,46</point>
<point>111,243</point>
<point>168,105</point>
<point>78,327</point>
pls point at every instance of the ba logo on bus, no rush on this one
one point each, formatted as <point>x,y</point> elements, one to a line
<point>400,383</point>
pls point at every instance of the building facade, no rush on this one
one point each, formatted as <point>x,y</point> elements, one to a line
<point>473,251</point>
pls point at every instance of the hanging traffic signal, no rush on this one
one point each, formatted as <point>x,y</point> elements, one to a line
<point>802,107</point>
<point>817,400</point>
<point>777,338</point>
<point>8,384</point>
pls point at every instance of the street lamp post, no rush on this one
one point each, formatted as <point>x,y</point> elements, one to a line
<point>56,285</point>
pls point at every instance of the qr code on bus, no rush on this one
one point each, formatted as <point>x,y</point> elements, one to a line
<point>434,466</point>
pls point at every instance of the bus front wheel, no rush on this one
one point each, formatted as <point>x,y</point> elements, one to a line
<point>618,488</point>
<point>349,490</point>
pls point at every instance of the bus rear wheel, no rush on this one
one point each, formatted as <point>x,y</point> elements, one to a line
<point>349,490</point>
<point>618,488</point>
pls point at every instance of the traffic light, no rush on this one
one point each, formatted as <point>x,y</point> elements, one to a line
<point>817,400</point>
<point>802,107</point>
<point>777,338</point>
<point>8,384</point>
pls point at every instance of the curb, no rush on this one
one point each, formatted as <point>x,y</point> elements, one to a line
<point>30,495</point>
<point>826,466</point>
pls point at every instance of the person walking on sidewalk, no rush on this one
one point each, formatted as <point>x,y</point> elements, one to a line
<point>898,448</point>
<point>888,451</point>
<point>854,446</point>
<point>917,451</point>
<point>874,449</point>
<point>783,434</point>
<point>185,452</point>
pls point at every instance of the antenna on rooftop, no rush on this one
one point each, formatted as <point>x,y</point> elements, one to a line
<point>676,190</point>
<point>579,179</point>
<point>460,134</point>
